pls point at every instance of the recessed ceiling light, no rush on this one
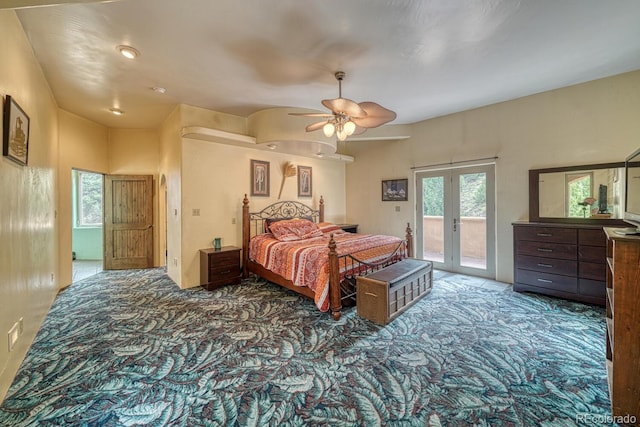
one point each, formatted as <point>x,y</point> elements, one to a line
<point>128,51</point>
<point>272,146</point>
<point>319,154</point>
<point>158,89</point>
<point>116,111</point>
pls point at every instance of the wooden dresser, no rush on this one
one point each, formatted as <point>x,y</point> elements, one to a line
<point>562,260</point>
<point>623,325</point>
<point>219,267</point>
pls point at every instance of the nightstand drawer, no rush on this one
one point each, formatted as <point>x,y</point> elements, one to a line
<point>224,274</point>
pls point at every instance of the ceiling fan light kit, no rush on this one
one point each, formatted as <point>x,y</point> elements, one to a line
<point>348,117</point>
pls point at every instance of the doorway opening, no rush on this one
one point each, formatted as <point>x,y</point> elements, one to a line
<point>88,225</point>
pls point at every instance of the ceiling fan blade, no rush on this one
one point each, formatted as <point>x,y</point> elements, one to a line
<point>328,115</point>
<point>315,126</point>
<point>345,106</point>
<point>376,116</point>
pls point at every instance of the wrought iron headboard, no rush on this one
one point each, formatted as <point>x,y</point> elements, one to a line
<point>282,210</point>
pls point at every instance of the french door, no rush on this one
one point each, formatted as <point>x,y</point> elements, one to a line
<point>456,219</point>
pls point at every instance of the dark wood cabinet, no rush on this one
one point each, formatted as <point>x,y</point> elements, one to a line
<point>623,324</point>
<point>219,267</point>
<point>562,260</point>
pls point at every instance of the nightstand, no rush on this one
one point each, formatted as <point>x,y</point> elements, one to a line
<point>351,228</point>
<point>219,267</point>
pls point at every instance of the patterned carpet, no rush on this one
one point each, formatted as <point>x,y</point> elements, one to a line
<point>129,348</point>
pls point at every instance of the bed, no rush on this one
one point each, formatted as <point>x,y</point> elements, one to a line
<point>290,244</point>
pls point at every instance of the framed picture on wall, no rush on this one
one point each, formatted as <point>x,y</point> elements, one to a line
<point>15,132</point>
<point>260,178</point>
<point>395,190</point>
<point>304,181</point>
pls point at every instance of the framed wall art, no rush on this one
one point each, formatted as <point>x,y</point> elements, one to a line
<point>395,190</point>
<point>304,181</point>
<point>260,178</point>
<point>15,132</point>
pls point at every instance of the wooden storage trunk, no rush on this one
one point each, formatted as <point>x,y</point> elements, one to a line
<point>381,296</point>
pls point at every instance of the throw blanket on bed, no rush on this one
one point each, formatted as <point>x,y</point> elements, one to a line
<point>306,262</point>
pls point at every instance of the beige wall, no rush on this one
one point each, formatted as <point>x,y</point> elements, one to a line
<point>215,178</point>
<point>170,184</point>
<point>83,145</point>
<point>28,233</point>
<point>595,122</point>
<point>137,152</point>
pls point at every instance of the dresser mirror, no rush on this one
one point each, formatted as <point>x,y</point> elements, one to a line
<point>585,194</point>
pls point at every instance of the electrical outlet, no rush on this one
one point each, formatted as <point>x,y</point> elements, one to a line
<point>233,220</point>
<point>52,277</point>
<point>196,212</point>
<point>175,262</point>
<point>397,208</point>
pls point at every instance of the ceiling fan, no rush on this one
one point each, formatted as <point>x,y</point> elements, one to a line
<point>348,117</point>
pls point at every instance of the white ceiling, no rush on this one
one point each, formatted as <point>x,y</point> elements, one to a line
<point>419,58</point>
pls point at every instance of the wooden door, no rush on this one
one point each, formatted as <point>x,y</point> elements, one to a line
<point>128,221</point>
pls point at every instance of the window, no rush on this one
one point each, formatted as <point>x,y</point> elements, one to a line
<point>578,195</point>
<point>89,188</point>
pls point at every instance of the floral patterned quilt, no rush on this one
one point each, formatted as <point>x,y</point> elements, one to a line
<point>306,262</point>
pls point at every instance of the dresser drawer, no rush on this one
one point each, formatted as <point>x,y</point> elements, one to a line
<point>547,265</point>
<point>593,288</point>
<point>548,250</point>
<point>547,234</point>
<point>592,237</point>
<point>547,281</point>
<point>593,270</point>
<point>592,253</point>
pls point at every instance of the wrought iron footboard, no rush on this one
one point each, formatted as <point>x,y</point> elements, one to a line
<point>352,268</point>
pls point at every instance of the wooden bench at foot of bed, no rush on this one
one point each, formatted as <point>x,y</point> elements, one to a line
<point>385,294</point>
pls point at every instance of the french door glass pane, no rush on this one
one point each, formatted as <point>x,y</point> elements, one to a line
<point>473,220</point>
<point>433,218</point>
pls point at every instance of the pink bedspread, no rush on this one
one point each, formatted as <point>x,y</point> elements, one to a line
<point>306,262</point>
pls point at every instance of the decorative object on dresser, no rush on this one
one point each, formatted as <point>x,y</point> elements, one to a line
<point>562,260</point>
<point>327,259</point>
<point>623,324</point>
<point>384,294</point>
<point>220,267</point>
<point>260,178</point>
